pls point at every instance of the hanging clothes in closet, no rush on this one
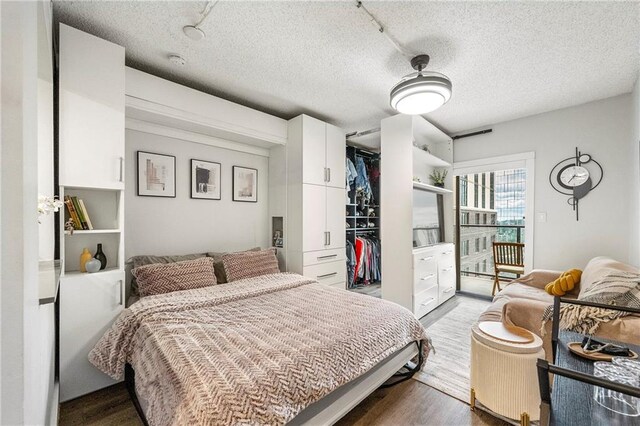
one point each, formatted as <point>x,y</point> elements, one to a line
<point>351,265</point>
<point>367,269</point>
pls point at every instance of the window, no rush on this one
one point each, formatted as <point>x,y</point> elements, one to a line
<point>477,245</point>
<point>493,218</point>
<point>484,243</point>
<point>477,267</point>
<point>493,239</point>
<point>464,218</point>
<point>484,265</point>
<point>484,190</point>
<point>477,218</point>
<point>463,190</point>
<point>475,191</point>
<point>492,183</point>
<point>465,248</point>
<point>484,218</point>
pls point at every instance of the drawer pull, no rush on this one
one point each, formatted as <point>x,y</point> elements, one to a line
<point>329,256</point>
<point>447,269</point>
<point>326,275</point>
<point>427,277</point>
<point>427,258</point>
<point>120,290</point>
<point>447,252</point>
<point>428,302</point>
<point>447,290</point>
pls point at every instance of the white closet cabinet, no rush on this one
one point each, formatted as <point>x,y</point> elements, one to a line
<point>434,277</point>
<point>91,111</point>
<point>315,184</point>
<point>91,155</point>
<point>91,302</point>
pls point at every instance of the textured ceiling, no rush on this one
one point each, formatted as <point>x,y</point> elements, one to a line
<point>505,59</point>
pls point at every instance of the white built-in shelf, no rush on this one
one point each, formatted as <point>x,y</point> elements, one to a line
<point>431,188</point>
<point>109,269</point>
<point>93,231</point>
<point>429,159</point>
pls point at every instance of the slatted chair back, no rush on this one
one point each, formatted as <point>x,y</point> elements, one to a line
<point>511,254</point>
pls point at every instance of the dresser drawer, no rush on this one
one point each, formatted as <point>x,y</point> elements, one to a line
<point>446,256</point>
<point>330,273</point>
<point>425,301</point>
<point>446,291</point>
<point>424,281</point>
<point>425,263</point>
<point>323,256</point>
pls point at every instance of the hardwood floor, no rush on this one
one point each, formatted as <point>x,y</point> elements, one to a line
<point>409,403</point>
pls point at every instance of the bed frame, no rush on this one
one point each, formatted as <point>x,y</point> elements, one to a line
<point>334,406</point>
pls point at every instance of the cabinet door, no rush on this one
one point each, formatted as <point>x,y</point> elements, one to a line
<point>335,154</point>
<point>314,199</point>
<point>89,303</point>
<point>91,111</point>
<point>313,151</point>
<point>336,217</point>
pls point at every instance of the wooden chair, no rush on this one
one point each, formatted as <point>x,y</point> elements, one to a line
<point>507,257</point>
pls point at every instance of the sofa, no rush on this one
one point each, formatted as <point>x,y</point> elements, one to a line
<point>523,301</point>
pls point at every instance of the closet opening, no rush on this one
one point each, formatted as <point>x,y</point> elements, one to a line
<point>362,212</point>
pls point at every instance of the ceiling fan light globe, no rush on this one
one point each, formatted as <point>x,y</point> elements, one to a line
<point>420,93</point>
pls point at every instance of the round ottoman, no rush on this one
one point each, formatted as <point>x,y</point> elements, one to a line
<point>504,377</point>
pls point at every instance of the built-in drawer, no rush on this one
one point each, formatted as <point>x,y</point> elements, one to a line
<point>425,301</point>
<point>330,273</point>
<point>424,281</point>
<point>446,291</point>
<point>446,256</point>
<point>425,262</point>
<point>323,256</point>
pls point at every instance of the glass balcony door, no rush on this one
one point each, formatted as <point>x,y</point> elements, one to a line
<point>490,207</point>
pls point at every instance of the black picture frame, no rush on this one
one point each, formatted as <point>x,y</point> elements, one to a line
<point>150,193</point>
<point>244,199</point>
<point>194,162</point>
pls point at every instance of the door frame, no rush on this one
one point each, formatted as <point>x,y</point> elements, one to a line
<point>524,160</point>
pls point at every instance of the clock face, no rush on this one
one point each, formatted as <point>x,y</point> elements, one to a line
<point>572,176</point>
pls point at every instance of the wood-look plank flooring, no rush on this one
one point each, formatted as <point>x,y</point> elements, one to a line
<point>409,403</point>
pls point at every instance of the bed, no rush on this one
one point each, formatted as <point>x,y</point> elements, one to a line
<point>273,349</point>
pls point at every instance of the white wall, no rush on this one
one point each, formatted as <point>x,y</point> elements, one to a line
<point>634,181</point>
<point>602,129</point>
<point>183,225</point>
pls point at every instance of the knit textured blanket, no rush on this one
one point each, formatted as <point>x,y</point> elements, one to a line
<point>255,351</point>
<point>616,289</point>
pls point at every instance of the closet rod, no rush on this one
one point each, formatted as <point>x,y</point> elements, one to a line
<point>466,135</point>
<point>363,133</point>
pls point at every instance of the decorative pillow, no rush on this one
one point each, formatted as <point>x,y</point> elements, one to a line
<point>249,264</point>
<point>161,278</point>
<point>221,276</point>
<point>566,282</point>
<point>598,268</point>
<point>143,260</point>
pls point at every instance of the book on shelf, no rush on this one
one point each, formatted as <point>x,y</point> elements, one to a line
<point>78,213</point>
<point>86,215</point>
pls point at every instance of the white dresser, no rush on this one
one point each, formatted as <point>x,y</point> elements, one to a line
<point>434,277</point>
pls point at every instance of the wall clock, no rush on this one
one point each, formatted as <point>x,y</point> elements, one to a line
<point>576,176</point>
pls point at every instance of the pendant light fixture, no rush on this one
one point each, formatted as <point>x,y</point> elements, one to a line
<point>420,92</point>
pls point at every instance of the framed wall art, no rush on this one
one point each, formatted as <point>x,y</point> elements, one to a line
<point>156,175</point>
<point>245,184</point>
<point>205,180</point>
